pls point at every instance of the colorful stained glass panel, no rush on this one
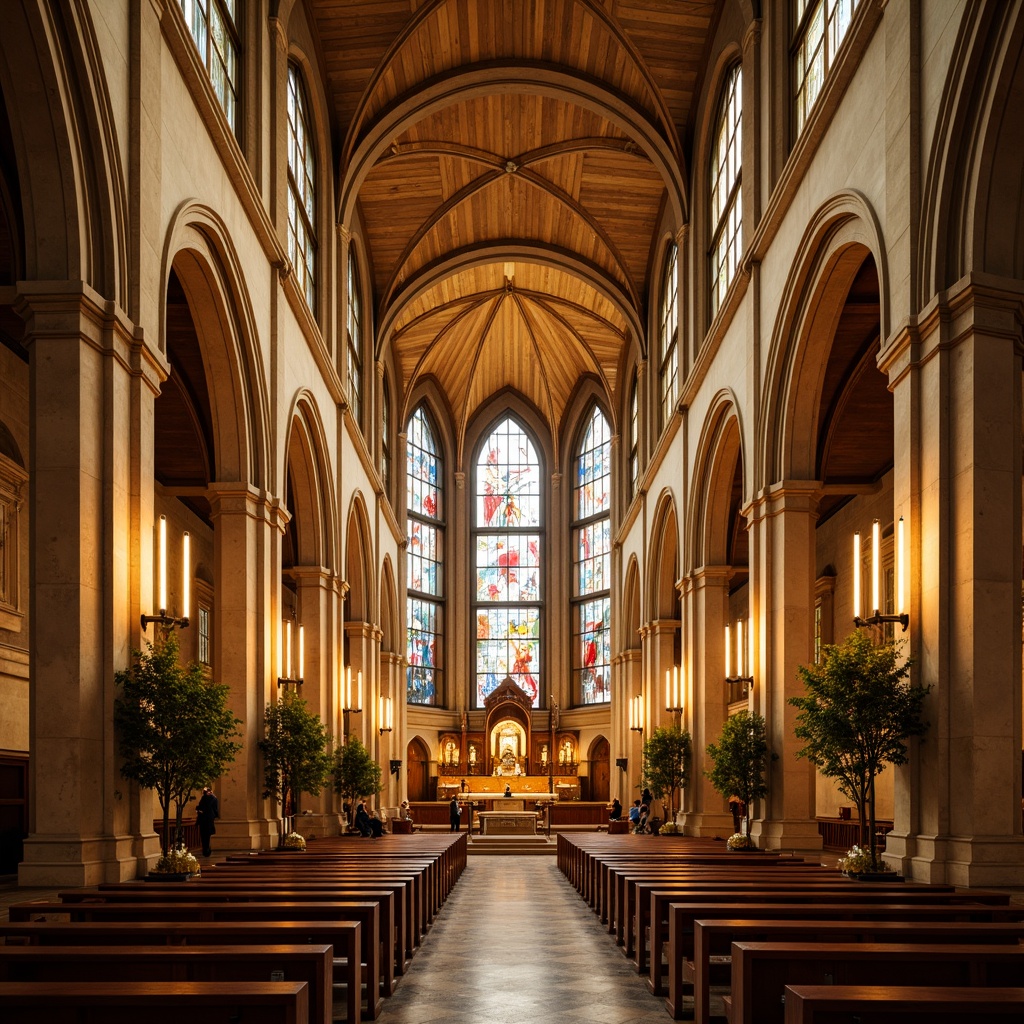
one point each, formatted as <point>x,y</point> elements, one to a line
<point>508,567</point>
<point>508,480</point>
<point>508,644</point>
<point>593,651</point>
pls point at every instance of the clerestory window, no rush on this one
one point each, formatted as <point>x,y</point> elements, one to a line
<point>213,25</point>
<point>726,197</point>
<point>821,26</point>
<point>669,336</point>
<point>301,189</point>
<point>354,340</point>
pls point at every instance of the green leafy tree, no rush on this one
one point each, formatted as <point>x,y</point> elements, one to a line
<point>294,749</point>
<point>739,760</point>
<point>175,731</point>
<point>858,710</point>
<point>667,764</point>
<point>356,773</point>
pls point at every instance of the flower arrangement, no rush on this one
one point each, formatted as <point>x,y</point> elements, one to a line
<point>858,861</point>
<point>177,861</point>
<point>293,841</point>
<point>670,828</point>
<point>739,841</point>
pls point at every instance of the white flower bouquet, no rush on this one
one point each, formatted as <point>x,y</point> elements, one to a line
<point>293,841</point>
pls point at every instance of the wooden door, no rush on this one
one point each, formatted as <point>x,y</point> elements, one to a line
<point>417,766</point>
<point>600,770</point>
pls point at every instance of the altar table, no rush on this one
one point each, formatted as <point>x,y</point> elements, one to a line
<point>508,823</point>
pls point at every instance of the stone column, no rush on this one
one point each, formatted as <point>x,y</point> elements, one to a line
<point>392,744</point>
<point>955,373</point>
<point>93,384</point>
<point>658,646</point>
<point>782,520</point>
<point>627,679</point>
<point>364,656</point>
<point>248,525</point>
<point>705,607</point>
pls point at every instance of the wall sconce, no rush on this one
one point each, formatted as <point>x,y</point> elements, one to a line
<point>902,617</point>
<point>351,699</point>
<point>673,691</point>
<point>384,715</point>
<point>636,713</point>
<point>186,572</point>
<point>396,767</point>
<point>286,678</point>
<point>622,763</point>
<point>743,673</point>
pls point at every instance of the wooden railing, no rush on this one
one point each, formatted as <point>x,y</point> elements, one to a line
<point>189,829</point>
<point>841,834</point>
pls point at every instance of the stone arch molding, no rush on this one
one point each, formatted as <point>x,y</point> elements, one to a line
<point>662,596</point>
<point>390,619</point>
<point>843,230</point>
<point>359,562</point>
<point>721,439</point>
<point>73,189</point>
<point>313,482</point>
<point>973,210</point>
<point>198,247</point>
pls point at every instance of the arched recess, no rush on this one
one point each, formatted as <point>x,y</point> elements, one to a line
<point>599,765</point>
<point>663,561</point>
<point>973,209</point>
<point>390,621</point>
<point>73,193</point>
<point>417,769</point>
<point>359,573</point>
<point>309,488</point>
<point>629,611</point>
<point>843,232</point>
<point>199,251</point>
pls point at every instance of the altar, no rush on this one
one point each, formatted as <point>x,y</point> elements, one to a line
<point>508,823</point>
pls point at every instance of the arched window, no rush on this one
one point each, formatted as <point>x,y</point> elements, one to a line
<point>726,203</point>
<point>301,189</point>
<point>385,437</point>
<point>820,28</point>
<point>425,562</point>
<point>507,538</point>
<point>669,336</point>
<point>213,25</point>
<point>354,339</point>
<point>592,545</point>
<point>634,436</point>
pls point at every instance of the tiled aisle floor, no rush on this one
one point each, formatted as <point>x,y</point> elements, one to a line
<point>514,944</point>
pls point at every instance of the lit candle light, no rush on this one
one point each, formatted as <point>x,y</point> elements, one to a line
<point>876,544</point>
<point>162,577</point>
<point>856,575</point>
<point>288,650</point>
<point>302,650</point>
<point>728,652</point>
<point>739,649</point>
<point>186,574</point>
<point>900,606</point>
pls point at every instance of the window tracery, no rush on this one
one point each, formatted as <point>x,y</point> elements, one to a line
<point>301,189</point>
<point>726,199</point>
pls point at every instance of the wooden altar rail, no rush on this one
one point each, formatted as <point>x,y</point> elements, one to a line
<point>841,834</point>
<point>189,831</point>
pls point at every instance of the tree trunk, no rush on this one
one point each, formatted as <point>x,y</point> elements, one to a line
<point>871,821</point>
<point>165,806</point>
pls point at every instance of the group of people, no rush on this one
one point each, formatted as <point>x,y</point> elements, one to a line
<point>372,824</point>
<point>638,813</point>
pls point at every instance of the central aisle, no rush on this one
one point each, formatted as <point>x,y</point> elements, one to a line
<point>514,944</point>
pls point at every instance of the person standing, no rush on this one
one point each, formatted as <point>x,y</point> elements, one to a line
<point>207,812</point>
<point>454,814</point>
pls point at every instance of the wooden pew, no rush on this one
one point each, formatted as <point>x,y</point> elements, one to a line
<point>762,970</point>
<point>344,936</point>
<point>715,937</point>
<point>309,964</point>
<point>155,1002</point>
<point>661,899</point>
<point>880,1004</point>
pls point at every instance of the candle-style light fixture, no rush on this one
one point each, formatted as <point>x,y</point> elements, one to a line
<point>673,691</point>
<point>384,715</point>
<point>351,699</point>
<point>744,659</point>
<point>186,572</point>
<point>876,617</point>
<point>285,677</point>
<point>636,713</point>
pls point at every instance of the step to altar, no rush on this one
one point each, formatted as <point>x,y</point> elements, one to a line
<point>506,845</point>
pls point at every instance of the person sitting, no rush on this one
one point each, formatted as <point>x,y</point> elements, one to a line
<point>365,825</point>
<point>616,811</point>
<point>403,811</point>
<point>641,825</point>
<point>634,813</point>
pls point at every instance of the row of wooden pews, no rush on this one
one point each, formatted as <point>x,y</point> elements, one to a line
<point>344,919</point>
<point>794,941</point>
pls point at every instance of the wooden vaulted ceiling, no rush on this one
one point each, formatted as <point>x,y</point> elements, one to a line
<point>507,164</point>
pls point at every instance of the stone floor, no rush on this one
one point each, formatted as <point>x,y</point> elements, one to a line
<point>513,944</point>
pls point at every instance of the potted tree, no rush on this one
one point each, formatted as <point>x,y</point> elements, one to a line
<point>356,773</point>
<point>295,758</point>
<point>667,768</point>
<point>175,733</point>
<point>858,710</point>
<point>739,761</point>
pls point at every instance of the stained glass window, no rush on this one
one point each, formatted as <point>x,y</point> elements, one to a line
<point>508,543</point>
<point>634,437</point>
<point>213,25</point>
<point>424,562</point>
<point>354,340</point>
<point>669,332</point>
<point>301,189</point>
<point>726,196</point>
<point>592,545</point>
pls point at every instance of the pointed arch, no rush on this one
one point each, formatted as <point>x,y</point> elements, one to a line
<point>630,607</point>
<point>359,562</point>
<point>390,621</point>
<point>842,232</point>
<point>663,560</point>
<point>311,483</point>
<point>199,249</point>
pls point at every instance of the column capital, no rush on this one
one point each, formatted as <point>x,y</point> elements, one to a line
<point>658,626</point>
<point>784,496</point>
<point>311,576</point>
<point>710,576</point>
<point>240,498</point>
